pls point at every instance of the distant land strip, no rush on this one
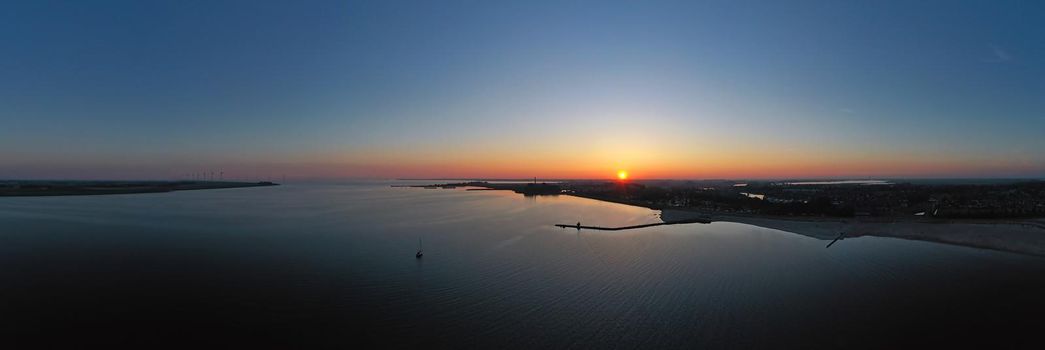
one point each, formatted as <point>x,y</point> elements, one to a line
<point>87,188</point>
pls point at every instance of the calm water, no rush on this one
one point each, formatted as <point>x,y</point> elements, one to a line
<point>334,265</point>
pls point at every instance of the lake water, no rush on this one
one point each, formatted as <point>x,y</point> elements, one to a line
<point>333,264</point>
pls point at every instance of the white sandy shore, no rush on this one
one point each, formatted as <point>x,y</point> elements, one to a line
<point>1020,236</point>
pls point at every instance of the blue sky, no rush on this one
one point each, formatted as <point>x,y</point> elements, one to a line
<point>684,89</point>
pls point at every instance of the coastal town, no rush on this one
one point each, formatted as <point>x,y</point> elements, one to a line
<point>954,199</point>
<point>979,200</point>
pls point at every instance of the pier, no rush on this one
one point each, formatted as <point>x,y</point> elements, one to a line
<point>601,228</point>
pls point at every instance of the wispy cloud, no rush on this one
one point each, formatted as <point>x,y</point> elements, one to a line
<point>999,55</point>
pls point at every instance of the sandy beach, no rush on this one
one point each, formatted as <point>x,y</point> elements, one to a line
<point>1018,236</point>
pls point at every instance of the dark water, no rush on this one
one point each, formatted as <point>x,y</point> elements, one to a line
<point>333,265</point>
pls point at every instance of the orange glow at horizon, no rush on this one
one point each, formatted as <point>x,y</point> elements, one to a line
<point>656,161</point>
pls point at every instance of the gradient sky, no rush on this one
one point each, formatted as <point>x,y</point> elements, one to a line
<point>557,89</point>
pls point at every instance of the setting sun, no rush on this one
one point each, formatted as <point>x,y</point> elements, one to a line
<point>623,175</point>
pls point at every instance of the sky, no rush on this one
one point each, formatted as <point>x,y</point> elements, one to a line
<point>550,89</point>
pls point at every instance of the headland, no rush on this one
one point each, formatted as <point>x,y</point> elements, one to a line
<point>992,214</point>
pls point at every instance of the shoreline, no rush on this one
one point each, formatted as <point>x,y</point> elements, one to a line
<point>1025,236</point>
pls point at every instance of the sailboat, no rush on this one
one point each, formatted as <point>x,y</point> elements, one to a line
<point>420,252</point>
